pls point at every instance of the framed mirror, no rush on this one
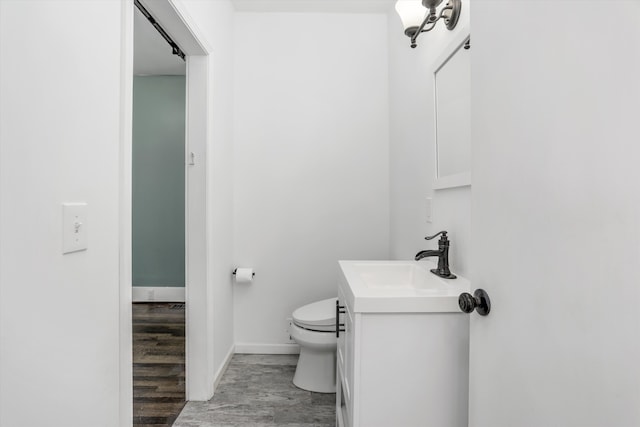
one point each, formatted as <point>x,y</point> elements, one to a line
<point>452,96</point>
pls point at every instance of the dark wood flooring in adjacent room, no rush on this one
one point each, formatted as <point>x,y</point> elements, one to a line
<point>158,363</point>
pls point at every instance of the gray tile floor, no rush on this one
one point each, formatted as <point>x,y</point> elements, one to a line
<point>256,391</point>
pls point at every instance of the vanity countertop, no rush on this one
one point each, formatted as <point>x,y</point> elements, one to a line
<point>399,287</point>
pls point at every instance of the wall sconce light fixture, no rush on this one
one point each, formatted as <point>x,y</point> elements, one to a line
<point>414,20</point>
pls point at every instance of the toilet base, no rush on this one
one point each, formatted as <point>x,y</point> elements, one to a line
<point>316,371</point>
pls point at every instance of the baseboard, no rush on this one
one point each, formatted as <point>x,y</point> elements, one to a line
<point>157,293</point>
<point>223,367</point>
<point>256,348</point>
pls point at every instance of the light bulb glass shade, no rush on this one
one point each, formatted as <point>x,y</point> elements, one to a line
<point>431,3</point>
<point>411,13</point>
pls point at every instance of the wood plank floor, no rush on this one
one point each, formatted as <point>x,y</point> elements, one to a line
<point>257,391</point>
<point>158,363</point>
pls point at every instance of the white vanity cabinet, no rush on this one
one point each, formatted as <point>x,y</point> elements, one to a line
<point>398,366</point>
<point>344,382</point>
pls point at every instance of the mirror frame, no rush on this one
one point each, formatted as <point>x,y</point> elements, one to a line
<point>461,179</point>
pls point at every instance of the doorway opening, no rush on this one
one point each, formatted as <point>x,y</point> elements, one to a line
<point>199,375</point>
<point>158,223</point>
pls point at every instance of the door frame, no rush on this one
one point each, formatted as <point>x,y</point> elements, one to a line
<point>198,291</point>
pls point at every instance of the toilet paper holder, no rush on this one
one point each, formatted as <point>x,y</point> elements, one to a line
<point>235,270</point>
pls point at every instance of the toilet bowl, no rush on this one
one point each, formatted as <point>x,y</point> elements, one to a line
<point>313,327</point>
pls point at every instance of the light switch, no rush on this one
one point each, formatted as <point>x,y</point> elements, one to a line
<point>74,227</point>
<point>428,209</point>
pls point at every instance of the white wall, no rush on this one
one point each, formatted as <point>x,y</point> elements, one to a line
<point>412,150</point>
<point>213,20</point>
<point>311,159</point>
<point>59,142</point>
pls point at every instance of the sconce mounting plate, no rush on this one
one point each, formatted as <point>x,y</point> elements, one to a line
<point>451,15</point>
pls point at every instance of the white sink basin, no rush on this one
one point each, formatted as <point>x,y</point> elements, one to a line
<point>399,286</point>
<point>397,275</point>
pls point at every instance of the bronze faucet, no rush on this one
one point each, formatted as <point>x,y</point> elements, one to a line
<point>443,256</point>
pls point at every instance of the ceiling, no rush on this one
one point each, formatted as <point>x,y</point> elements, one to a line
<point>151,53</point>
<point>322,6</point>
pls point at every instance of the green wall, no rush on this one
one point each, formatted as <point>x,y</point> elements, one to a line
<point>158,180</point>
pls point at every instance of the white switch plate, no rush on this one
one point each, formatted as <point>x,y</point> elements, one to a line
<point>429,209</point>
<point>74,227</point>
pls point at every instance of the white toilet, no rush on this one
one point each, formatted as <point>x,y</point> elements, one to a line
<point>314,329</point>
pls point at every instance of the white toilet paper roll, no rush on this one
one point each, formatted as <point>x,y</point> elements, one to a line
<point>244,275</point>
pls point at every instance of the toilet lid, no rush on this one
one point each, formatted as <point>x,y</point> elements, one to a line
<point>319,313</point>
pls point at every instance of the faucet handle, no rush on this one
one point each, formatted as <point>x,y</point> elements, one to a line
<point>444,235</point>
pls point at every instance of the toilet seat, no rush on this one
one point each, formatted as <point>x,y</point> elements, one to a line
<point>313,328</point>
<point>318,316</point>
